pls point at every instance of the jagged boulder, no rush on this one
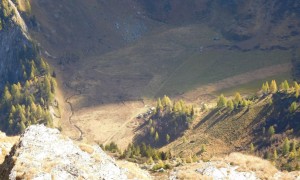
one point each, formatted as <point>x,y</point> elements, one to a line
<point>43,153</point>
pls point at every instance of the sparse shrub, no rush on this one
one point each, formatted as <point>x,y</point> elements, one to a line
<point>184,140</point>
<point>203,149</point>
<point>189,159</point>
<point>150,160</point>
<point>270,102</point>
<point>204,107</point>
<point>292,155</point>
<point>160,164</point>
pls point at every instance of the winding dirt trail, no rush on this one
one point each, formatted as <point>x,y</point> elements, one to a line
<point>72,114</point>
<point>67,112</point>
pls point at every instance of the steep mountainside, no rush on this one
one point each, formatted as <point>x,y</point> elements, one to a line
<point>156,39</point>
<point>26,87</point>
<point>15,43</point>
<point>245,21</point>
<point>113,56</point>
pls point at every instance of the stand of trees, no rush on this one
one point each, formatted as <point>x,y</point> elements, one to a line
<point>167,121</point>
<point>237,102</point>
<point>29,88</point>
<point>24,104</point>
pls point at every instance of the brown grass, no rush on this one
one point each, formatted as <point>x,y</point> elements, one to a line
<point>133,171</point>
<point>86,148</point>
<point>263,168</point>
<point>110,123</point>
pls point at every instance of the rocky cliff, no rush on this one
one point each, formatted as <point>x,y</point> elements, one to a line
<point>43,153</point>
<point>15,43</point>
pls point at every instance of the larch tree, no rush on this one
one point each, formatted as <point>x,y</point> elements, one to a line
<point>251,148</point>
<point>222,101</point>
<point>237,99</point>
<point>156,137</point>
<point>286,146</point>
<point>273,87</point>
<point>168,138</point>
<point>286,86</point>
<point>296,88</point>
<point>230,105</point>
<point>293,107</point>
<point>271,131</point>
<point>275,155</point>
<point>166,101</point>
<point>159,106</point>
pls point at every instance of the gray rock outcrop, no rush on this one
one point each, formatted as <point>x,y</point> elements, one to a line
<point>43,153</point>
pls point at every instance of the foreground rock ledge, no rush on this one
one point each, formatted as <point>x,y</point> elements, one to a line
<point>43,153</point>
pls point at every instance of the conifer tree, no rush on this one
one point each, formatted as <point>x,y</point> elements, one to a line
<point>251,148</point>
<point>32,70</point>
<point>222,101</point>
<point>230,105</point>
<point>166,102</point>
<point>273,86</point>
<point>237,99</point>
<point>275,156</point>
<point>16,93</point>
<point>43,65</point>
<point>177,107</point>
<point>6,96</point>
<point>159,106</point>
<point>286,86</point>
<point>152,130</point>
<point>271,131</point>
<point>286,146</point>
<point>294,144</point>
<point>245,103</point>
<point>168,138</point>
<point>296,88</point>
<point>156,137</point>
<point>265,88</point>
<point>22,127</point>
<point>47,89</point>
<point>293,107</point>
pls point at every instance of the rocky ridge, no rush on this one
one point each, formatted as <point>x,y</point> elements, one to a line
<point>43,153</point>
<point>234,166</point>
